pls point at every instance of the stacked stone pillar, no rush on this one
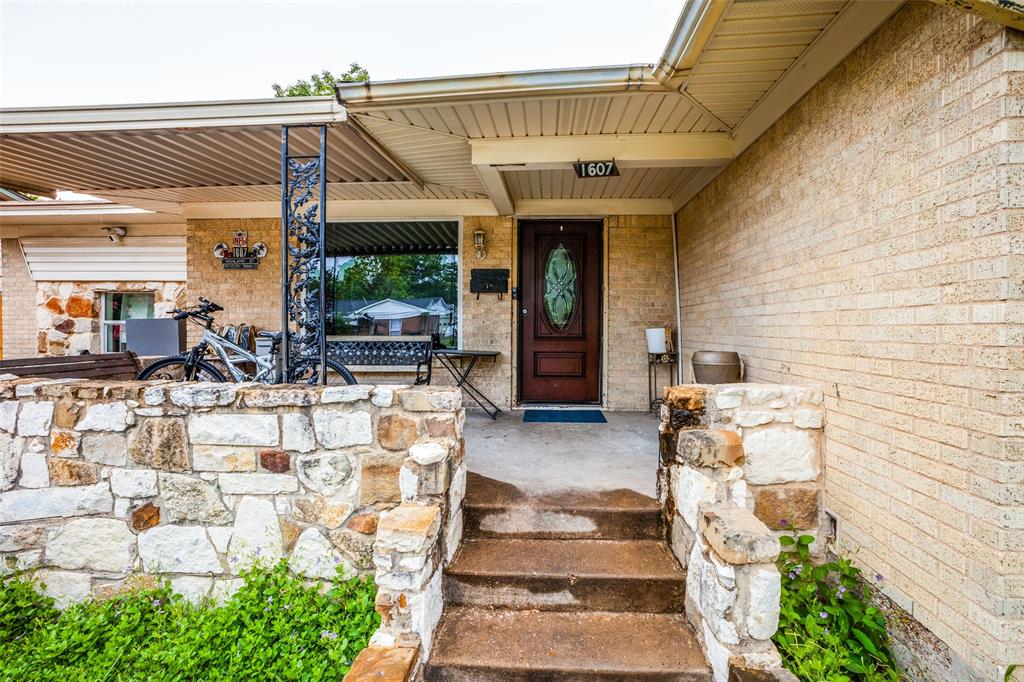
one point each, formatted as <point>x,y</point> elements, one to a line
<point>739,465</point>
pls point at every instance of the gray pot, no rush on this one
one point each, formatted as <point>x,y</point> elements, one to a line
<point>717,367</point>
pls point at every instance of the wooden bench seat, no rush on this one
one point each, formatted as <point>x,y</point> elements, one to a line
<point>99,366</point>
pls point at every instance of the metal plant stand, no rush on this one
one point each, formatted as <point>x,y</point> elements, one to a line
<point>461,373</point>
<point>654,361</point>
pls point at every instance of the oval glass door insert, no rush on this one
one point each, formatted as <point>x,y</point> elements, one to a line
<point>560,287</point>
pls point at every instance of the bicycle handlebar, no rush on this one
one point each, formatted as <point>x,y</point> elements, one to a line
<point>201,311</point>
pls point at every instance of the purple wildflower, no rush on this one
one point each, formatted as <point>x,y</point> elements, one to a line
<point>327,634</point>
<point>799,569</point>
<point>879,577</point>
<point>783,522</point>
<point>822,615</point>
<point>792,575</point>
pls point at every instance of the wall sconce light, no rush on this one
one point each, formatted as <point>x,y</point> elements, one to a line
<point>480,243</point>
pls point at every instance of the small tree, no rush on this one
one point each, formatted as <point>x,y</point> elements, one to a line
<point>322,83</point>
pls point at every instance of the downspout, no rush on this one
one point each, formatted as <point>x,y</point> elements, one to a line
<point>679,313</point>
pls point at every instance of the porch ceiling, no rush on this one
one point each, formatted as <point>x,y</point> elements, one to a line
<point>97,162</point>
<point>730,69</point>
<point>378,237</point>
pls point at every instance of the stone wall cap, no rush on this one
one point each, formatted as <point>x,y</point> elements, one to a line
<point>737,535</point>
<point>709,448</point>
<point>383,664</point>
<point>409,519</point>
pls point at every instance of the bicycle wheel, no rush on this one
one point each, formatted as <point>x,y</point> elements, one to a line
<point>174,370</point>
<point>309,373</point>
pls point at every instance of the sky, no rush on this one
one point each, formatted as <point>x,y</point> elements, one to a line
<point>71,53</point>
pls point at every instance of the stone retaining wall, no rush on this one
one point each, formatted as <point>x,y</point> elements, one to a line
<point>740,464</point>
<point>103,484</point>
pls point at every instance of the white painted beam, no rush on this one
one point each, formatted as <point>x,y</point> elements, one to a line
<point>336,210</point>
<point>592,207</point>
<point>436,208</point>
<point>648,150</point>
<point>496,188</point>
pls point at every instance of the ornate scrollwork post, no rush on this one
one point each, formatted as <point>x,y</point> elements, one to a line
<point>303,261</point>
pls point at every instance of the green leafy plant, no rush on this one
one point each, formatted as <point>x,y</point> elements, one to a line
<point>275,627</point>
<point>828,629</point>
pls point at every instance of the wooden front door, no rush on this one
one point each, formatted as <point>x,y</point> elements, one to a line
<point>560,311</point>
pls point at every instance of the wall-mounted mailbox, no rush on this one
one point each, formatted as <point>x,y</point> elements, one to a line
<point>488,281</point>
<point>160,336</point>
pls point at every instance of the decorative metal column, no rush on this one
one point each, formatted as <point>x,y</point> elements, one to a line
<point>303,261</point>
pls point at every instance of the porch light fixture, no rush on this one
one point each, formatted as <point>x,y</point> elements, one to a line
<point>480,243</point>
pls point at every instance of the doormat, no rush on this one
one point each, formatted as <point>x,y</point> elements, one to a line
<point>564,417</point>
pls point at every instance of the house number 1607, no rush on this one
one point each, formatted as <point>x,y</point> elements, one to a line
<point>595,169</point>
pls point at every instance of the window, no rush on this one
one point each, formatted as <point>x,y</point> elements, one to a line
<point>394,295</point>
<point>118,307</point>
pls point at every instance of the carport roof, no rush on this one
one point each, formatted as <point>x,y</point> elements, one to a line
<point>498,143</point>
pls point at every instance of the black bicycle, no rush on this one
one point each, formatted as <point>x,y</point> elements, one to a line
<point>193,365</point>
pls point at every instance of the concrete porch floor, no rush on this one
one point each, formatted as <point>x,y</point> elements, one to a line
<point>544,458</point>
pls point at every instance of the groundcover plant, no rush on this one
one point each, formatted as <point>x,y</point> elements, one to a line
<point>275,627</point>
<point>828,629</point>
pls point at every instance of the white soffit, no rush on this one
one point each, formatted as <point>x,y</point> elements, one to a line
<point>752,47</point>
<point>620,113</point>
<point>438,157</point>
<point>97,259</point>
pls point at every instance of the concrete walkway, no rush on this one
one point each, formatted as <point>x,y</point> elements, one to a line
<point>544,458</point>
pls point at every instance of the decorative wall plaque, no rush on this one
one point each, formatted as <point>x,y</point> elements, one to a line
<point>239,256</point>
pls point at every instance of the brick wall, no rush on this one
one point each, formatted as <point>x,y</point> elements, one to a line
<point>640,295</point>
<point>19,294</point>
<point>870,243</point>
<point>248,296</point>
<point>487,322</point>
<point>639,264</point>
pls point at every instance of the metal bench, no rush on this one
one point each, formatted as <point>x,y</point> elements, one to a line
<point>100,366</point>
<point>384,354</point>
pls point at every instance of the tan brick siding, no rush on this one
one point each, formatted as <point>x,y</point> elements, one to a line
<point>487,322</point>
<point>19,294</point>
<point>640,295</point>
<point>248,296</point>
<point>870,243</point>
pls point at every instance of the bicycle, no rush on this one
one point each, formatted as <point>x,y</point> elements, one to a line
<point>192,366</point>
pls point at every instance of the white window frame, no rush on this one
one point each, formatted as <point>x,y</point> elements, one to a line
<point>104,322</point>
<point>395,329</point>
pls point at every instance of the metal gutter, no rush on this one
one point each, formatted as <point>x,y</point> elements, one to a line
<point>217,114</point>
<point>693,30</point>
<point>452,89</point>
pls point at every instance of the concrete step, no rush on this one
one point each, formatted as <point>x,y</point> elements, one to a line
<point>477,645</point>
<point>497,510</point>
<point>566,575</point>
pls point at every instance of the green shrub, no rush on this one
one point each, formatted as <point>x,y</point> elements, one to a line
<point>828,629</point>
<point>276,627</point>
